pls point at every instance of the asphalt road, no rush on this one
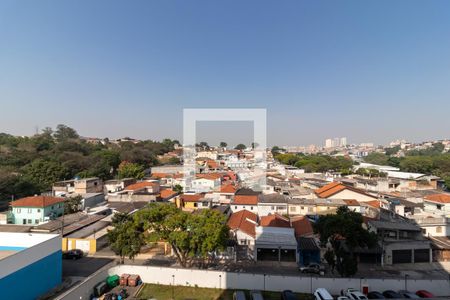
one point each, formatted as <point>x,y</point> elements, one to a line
<point>83,267</point>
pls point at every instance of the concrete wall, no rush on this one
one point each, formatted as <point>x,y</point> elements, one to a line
<point>83,290</point>
<point>229,280</point>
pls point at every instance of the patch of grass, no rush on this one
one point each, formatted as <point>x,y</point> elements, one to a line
<point>166,292</point>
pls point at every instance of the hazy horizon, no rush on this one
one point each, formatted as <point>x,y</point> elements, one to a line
<point>369,71</point>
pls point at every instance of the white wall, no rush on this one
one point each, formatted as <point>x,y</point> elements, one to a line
<point>305,284</point>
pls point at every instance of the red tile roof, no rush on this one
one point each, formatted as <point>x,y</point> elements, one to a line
<point>274,220</point>
<point>246,199</point>
<point>240,221</point>
<point>374,203</point>
<point>36,201</point>
<point>140,185</point>
<point>439,198</point>
<point>168,193</point>
<point>336,187</point>
<point>228,188</point>
<point>327,187</point>
<point>302,226</point>
<point>192,197</point>
<point>351,202</point>
<point>210,176</point>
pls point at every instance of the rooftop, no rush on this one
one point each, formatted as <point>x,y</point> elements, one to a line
<point>37,201</point>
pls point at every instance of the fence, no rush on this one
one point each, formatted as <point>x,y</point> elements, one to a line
<point>230,280</point>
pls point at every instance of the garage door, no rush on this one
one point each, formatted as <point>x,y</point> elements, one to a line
<point>401,256</point>
<point>288,255</point>
<point>421,255</point>
<point>267,254</point>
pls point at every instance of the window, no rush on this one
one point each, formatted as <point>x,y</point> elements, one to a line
<point>235,207</point>
<point>424,231</point>
<point>251,207</point>
<point>302,208</point>
<point>195,205</point>
<point>36,221</point>
<point>310,209</point>
<point>272,208</point>
<point>30,210</point>
<point>18,211</point>
<point>29,221</point>
<point>24,221</point>
<point>439,229</point>
<point>38,210</point>
<point>292,208</point>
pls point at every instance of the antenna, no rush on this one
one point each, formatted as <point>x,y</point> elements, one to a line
<point>36,128</point>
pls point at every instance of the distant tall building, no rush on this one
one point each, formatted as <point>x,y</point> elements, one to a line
<point>336,142</point>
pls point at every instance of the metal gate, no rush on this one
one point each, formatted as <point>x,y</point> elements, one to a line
<point>401,256</point>
<point>421,255</point>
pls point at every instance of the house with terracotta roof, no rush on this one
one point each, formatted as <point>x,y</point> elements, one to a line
<point>437,203</point>
<point>275,220</point>
<point>167,194</point>
<point>241,202</point>
<point>226,193</point>
<point>337,190</point>
<point>35,210</point>
<point>242,226</point>
<point>206,182</point>
<point>194,201</point>
<point>143,191</point>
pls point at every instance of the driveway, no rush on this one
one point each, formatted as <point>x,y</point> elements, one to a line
<point>83,267</point>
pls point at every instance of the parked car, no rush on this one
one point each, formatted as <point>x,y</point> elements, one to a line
<point>256,295</point>
<point>355,295</point>
<point>288,295</point>
<point>313,268</point>
<point>322,294</point>
<point>73,254</point>
<point>342,298</point>
<point>408,294</point>
<point>392,295</point>
<point>424,294</point>
<point>375,295</point>
<point>239,295</point>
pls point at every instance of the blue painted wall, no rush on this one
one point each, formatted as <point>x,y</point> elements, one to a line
<point>34,280</point>
<point>11,248</point>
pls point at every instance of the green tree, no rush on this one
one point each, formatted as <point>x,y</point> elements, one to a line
<point>240,147</point>
<point>174,161</point>
<point>72,204</point>
<point>223,145</point>
<point>64,133</point>
<point>191,236</point>
<point>377,158</point>
<point>130,170</point>
<point>344,227</point>
<point>178,188</point>
<point>43,173</point>
<point>330,258</point>
<point>126,240</point>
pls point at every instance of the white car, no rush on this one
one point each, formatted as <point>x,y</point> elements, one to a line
<point>322,294</point>
<point>354,294</point>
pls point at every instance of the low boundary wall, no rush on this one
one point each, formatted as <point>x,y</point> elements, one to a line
<point>303,284</point>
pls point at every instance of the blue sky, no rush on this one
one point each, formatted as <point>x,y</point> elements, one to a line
<point>371,71</point>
